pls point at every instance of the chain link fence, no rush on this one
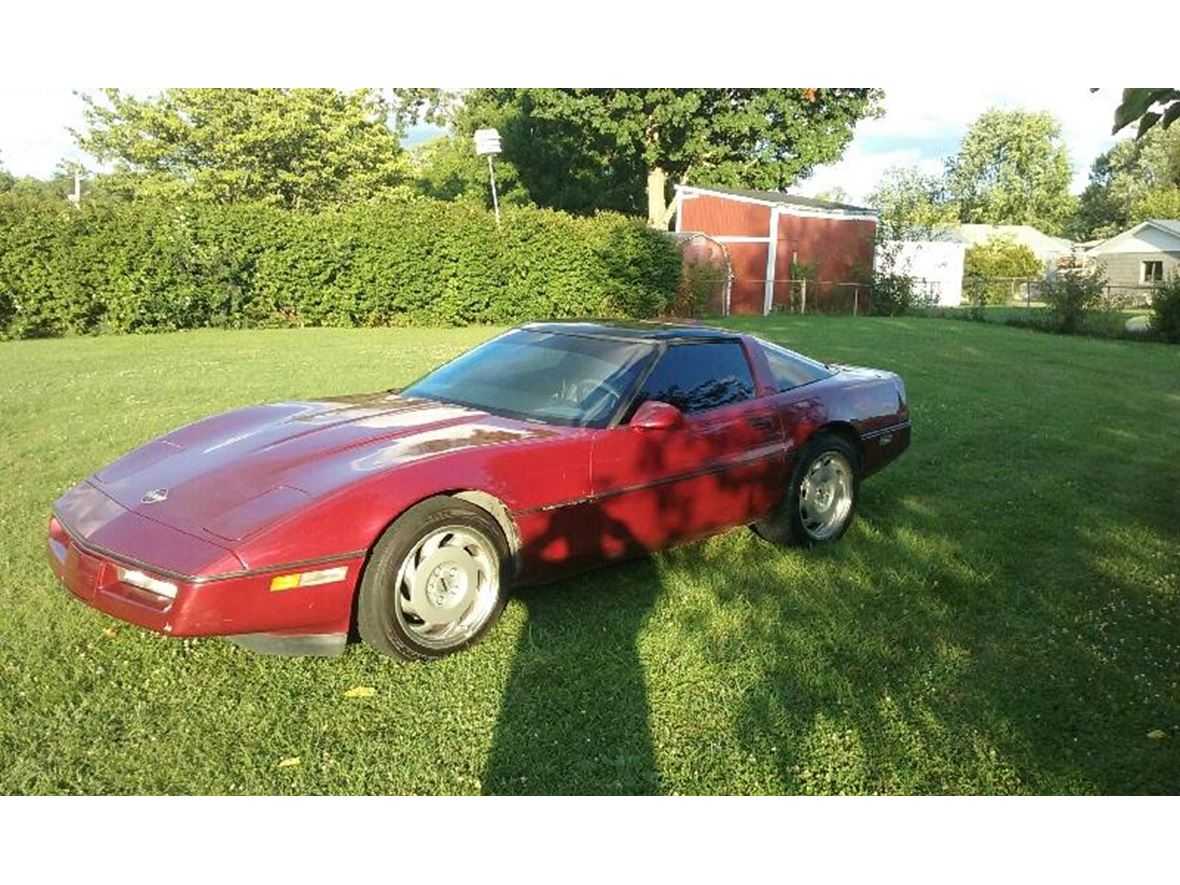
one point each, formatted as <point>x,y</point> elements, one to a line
<point>1026,292</point>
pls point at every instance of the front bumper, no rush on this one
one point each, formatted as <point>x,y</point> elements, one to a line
<point>226,604</point>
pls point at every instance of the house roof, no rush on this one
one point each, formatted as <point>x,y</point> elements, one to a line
<point>1025,234</point>
<point>939,234</point>
<point>781,198</point>
<point>1169,226</point>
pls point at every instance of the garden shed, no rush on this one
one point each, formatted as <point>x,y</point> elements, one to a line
<point>776,241</point>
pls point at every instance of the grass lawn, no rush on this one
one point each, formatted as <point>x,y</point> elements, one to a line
<point>1002,618</point>
<point>1098,323</point>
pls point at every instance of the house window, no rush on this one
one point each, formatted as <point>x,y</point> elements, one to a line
<point>1153,272</point>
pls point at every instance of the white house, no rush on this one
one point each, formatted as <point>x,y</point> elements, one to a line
<point>1142,256</point>
<point>935,266</point>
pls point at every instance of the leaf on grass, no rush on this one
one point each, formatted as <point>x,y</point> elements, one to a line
<point>110,632</point>
<point>290,762</point>
<point>1156,735</point>
<point>360,691</point>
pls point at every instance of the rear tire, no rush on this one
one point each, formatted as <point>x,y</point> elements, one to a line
<point>821,498</point>
<point>435,583</point>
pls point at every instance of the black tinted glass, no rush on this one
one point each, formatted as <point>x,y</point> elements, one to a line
<point>559,379</point>
<point>694,377</point>
<point>791,370</point>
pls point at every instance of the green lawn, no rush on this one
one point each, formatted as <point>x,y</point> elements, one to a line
<point>1097,323</point>
<point>1002,618</point>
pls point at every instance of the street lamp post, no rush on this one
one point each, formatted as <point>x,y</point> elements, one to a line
<point>487,143</point>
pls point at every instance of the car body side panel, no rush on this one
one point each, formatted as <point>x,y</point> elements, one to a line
<point>523,475</point>
<point>867,400</point>
<point>657,488</point>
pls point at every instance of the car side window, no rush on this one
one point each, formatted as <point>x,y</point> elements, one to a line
<point>790,370</point>
<point>695,377</point>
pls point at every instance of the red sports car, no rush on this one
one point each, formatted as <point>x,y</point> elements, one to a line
<point>551,448</point>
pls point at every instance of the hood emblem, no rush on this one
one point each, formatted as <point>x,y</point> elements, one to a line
<point>154,496</point>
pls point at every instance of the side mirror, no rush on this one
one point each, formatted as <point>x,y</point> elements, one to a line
<point>655,415</point>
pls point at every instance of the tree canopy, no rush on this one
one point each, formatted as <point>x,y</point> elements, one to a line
<point>298,148</point>
<point>1133,181</point>
<point>1012,168</point>
<point>588,149</point>
<point>912,204</point>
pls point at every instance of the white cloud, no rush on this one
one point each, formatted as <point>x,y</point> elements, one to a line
<point>33,129</point>
<point>859,170</point>
<point>930,121</point>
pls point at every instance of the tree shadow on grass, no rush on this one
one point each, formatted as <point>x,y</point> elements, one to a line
<point>999,623</point>
<point>927,655</point>
<point>913,657</point>
<point>574,718</point>
<point>575,713</point>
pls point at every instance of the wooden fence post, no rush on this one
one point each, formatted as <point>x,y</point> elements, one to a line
<point>803,308</point>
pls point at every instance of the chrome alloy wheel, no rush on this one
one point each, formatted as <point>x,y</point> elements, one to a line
<point>447,586</point>
<point>825,496</point>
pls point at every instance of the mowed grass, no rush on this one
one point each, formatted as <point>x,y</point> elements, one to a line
<point>1002,618</point>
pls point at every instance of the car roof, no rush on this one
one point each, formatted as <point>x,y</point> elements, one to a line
<point>634,330</point>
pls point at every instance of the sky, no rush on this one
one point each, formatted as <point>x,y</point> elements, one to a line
<point>921,126</point>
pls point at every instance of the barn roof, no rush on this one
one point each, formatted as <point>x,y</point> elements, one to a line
<point>780,198</point>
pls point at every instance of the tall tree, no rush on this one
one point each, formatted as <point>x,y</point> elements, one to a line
<point>912,204</point>
<point>447,168</point>
<point>587,149</point>
<point>1012,168</point>
<point>1134,180</point>
<point>300,148</point>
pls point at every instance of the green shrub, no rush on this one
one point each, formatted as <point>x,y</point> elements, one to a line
<point>152,267</point>
<point>895,294</point>
<point>701,281</point>
<point>1165,310</point>
<point>1069,296</point>
<point>990,266</point>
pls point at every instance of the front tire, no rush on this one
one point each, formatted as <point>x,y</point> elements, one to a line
<point>821,498</point>
<point>436,581</point>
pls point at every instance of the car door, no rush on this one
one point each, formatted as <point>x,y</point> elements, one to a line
<point>723,466</point>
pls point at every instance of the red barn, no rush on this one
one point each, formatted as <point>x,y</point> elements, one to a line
<point>766,232</point>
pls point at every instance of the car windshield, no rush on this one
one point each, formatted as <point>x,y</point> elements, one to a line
<point>539,376</point>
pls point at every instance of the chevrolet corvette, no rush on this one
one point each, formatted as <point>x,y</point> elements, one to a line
<point>406,516</point>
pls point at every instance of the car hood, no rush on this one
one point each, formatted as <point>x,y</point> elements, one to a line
<point>231,475</point>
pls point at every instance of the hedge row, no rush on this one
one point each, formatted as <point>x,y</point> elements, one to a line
<point>149,267</point>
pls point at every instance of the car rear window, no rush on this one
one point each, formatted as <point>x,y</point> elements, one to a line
<point>790,369</point>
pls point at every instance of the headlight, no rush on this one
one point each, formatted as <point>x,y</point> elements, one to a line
<point>138,579</point>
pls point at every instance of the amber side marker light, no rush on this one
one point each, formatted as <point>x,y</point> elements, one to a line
<point>308,579</point>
